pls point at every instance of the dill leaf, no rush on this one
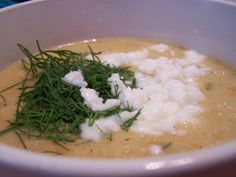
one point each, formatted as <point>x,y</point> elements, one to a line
<point>50,109</point>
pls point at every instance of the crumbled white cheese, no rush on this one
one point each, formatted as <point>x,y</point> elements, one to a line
<point>105,126</point>
<point>192,71</point>
<point>171,95</point>
<point>191,57</point>
<point>118,59</point>
<point>116,83</point>
<point>91,97</point>
<point>134,98</point>
<point>194,94</point>
<point>166,91</point>
<point>75,78</point>
<point>90,133</point>
<point>93,101</point>
<point>160,47</point>
<point>147,66</point>
<point>176,90</point>
<point>168,70</point>
<point>100,127</point>
<point>125,115</point>
<point>155,149</point>
<point>143,80</point>
<point>188,112</point>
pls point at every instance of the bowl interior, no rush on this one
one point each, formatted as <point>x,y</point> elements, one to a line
<point>207,26</point>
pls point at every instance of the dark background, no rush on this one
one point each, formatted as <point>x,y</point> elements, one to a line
<point>5,3</point>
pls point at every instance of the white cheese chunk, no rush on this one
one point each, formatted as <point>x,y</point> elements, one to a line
<point>100,127</point>
<point>75,78</point>
<point>160,47</point>
<point>166,92</point>
<point>93,101</point>
<point>192,71</point>
<point>128,97</point>
<point>176,90</point>
<point>105,126</point>
<point>167,71</point>
<point>155,149</point>
<point>191,57</point>
<point>125,115</point>
<point>147,66</point>
<point>118,59</point>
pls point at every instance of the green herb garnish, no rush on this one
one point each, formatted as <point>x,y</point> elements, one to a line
<point>48,108</point>
<point>167,145</point>
<point>3,99</point>
<point>51,152</point>
<point>110,136</point>
<point>127,124</point>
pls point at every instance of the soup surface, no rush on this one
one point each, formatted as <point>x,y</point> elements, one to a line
<point>215,124</point>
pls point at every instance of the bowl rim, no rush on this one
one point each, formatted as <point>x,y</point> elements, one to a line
<point>161,165</point>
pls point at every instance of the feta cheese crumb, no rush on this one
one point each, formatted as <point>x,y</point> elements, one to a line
<point>166,90</point>
<point>155,149</point>
<point>134,98</point>
<point>104,126</point>
<point>176,90</point>
<point>75,78</point>
<point>147,66</point>
<point>93,101</point>
<point>160,47</point>
<point>99,128</point>
<point>118,59</point>
<point>192,71</point>
<point>191,57</point>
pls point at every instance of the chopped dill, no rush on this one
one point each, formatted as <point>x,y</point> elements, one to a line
<point>126,139</point>
<point>6,130</point>
<point>208,86</point>
<point>3,99</point>
<point>110,136</point>
<point>100,130</point>
<point>5,89</point>
<point>167,145</point>
<point>21,140</point>
<point>127,124</point>
<point>51,152</point>
<point>84,142</point>
<point>50,109</point>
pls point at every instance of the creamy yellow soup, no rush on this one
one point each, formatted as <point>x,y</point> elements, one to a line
<point>217,124</point>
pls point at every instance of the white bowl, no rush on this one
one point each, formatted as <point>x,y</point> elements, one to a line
<point>207,26</point>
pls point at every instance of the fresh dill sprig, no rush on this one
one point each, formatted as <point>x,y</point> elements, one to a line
<point>48,108</point>
<point>127,124</point>
<point>52,153</point>
<point>167,145</point>
<point>21,139</point>
<point>3,99</point>
<point>110,136</point>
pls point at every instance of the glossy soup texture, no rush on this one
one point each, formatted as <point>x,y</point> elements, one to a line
<point>217,123</point>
